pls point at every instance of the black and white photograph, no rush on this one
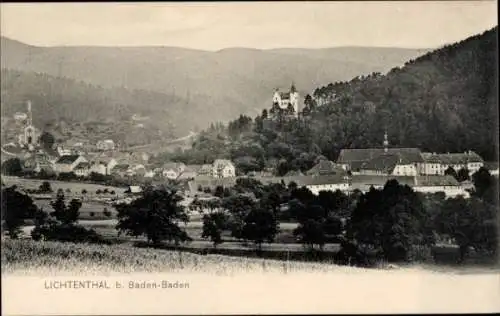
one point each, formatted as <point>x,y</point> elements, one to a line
<point>274,157</point>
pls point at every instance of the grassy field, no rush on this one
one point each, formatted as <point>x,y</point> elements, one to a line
<point>229,285</point>
<point>27,256</point>
<point>75,187</point>
<point>88,211</point>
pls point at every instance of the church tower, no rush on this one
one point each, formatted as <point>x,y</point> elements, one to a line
<point>30,138</point>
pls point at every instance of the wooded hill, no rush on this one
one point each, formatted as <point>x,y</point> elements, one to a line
<point>215,86</point>
<point>443,101</point>
<point>56,99</point>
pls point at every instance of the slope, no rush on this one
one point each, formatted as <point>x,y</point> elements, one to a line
<point>217,85</point>
<point>444,101</point>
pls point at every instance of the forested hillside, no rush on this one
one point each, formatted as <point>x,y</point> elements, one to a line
<point>58,99</point>
<point>217,86</point>
<point>444,101</point>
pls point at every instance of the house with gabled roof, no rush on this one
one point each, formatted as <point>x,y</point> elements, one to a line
<point>396,164</point>
<point>332,182</point>
<point>189,172</point>
<point>68,163</point>
<point>172,170</point>
<point>38,162</point>
<point>325,167</point>
<point>120,170</point>
<point>223,168</point>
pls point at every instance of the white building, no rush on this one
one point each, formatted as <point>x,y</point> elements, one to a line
<point>68,163</point>
<point>223,168</point>
<point>434,184</point>
<point>332,183</point>
<point>286,99</point>
<point>172,170</point>
<point>107,144</point>
<point>423,184</point>
<point>436,164</point>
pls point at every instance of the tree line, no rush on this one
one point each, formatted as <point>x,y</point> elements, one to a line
<point>393,224</point>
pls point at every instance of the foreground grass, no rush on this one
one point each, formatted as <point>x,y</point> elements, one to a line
<point>31,257</point>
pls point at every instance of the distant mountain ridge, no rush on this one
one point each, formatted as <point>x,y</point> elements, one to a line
<point>216,86</point>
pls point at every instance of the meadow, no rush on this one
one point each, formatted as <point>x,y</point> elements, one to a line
<point>75,187</point>
<point>32,257</point>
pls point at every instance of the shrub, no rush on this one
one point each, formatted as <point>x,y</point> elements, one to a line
<point>45,187</point>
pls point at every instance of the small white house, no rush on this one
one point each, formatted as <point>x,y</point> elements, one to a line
<point>223,168</point>
<point>332,183</point>
<point>107,144</point>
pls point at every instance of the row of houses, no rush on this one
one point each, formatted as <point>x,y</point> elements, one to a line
<point>125,166</point>
<point>406,161</point>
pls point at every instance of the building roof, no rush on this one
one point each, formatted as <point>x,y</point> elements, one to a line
<point>452,158</point>
<point>385,162</point>
<point>322,180</point>
<point>120,167</point>
<point>222,163</point>
<point>206,168</point>
<point>348,156</point>
<point>324,167</point>
<point>380,180</point>
<point>491,165</point>
<point>103,160</point>
<point>67,159</point>
<point>173,165</point>
<point>192,168</point>
<point>82,165</point>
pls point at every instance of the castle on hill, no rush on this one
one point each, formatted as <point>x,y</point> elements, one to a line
<point>287,101</point>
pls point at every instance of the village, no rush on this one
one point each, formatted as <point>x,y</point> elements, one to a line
<point>355,169</point>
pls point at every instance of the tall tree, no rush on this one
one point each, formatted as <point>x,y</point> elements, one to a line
<point>155,215</point>
<point>213,226</point>
<point>16,207</point>
<point>260,226</point>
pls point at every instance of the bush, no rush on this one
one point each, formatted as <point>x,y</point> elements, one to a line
<point>45,187</point>
<point>61,224</point>
<point>65,233</point>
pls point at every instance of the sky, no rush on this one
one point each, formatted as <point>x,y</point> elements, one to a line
<point>263,25</point>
